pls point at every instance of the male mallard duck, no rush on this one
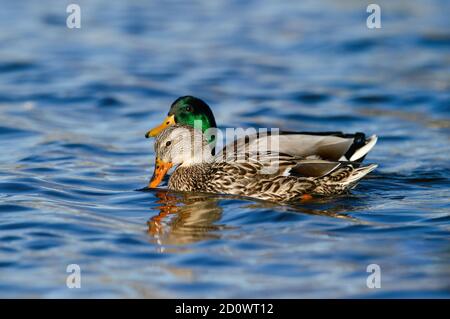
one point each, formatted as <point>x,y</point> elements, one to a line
<point>333,146</point>
<point>268,176</point>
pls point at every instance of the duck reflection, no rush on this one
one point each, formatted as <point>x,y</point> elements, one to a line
<point>185,218</point>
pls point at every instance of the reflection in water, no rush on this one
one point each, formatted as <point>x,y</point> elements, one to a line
<point>191,217</point>
<point>185,218</point>
<point>320,206</point>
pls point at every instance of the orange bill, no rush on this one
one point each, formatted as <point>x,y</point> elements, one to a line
<point>161,169</point>
<point>168,121</point>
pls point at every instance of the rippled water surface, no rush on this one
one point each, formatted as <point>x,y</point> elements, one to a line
<point>75,105</point>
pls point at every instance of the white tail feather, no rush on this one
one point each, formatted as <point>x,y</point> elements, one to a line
<point>365,149</point>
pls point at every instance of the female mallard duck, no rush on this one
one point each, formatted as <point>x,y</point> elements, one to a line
<point>333,146</point>
<point>268,176</point>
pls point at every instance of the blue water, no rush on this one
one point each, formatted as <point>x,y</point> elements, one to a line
<point>75,105</point>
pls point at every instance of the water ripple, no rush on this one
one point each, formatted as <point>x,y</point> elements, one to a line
<point>75,105</point>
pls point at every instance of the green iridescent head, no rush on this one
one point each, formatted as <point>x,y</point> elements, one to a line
<point>187,109</point>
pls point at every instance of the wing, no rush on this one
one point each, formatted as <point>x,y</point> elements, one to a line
<point>278,164</point>
<point>332,146</point>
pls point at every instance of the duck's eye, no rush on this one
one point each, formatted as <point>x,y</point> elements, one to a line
<point>189,108</point>
<point>168,143</point>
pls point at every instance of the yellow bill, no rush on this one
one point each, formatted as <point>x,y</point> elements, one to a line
<point>161,169</point>
<point>168,121</point>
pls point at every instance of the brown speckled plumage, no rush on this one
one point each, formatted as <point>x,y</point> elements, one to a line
<point>250,177</point>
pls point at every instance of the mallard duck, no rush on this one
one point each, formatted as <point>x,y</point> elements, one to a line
<point>267,176</point>
<point>333,146</point>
